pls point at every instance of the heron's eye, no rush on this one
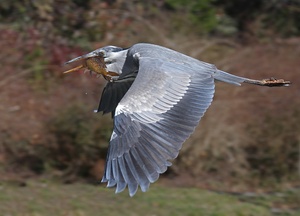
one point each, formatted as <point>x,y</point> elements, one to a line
<point>101,53</point>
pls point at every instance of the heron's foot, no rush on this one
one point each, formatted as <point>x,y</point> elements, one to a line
<point>272,82</point>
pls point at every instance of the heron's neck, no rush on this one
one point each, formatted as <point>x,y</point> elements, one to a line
<point>116,61</point>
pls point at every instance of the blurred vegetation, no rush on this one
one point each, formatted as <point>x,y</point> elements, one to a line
<point>265,18</point>
<point>78,141</point>
<point>74,142</point>
<point>37,37</point>
<point>47,198</point>
<point>79,20</point>
<point>273,152</point>
<point>20,155</point>
<point>201,14</point>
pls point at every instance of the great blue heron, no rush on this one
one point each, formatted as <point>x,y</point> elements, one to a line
<point>157,97</point>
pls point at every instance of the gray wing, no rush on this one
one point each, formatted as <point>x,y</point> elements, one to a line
<point>157,114</point>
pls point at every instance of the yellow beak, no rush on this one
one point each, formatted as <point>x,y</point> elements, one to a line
<point>75,69</point>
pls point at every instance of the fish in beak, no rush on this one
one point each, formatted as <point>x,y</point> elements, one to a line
<point>94,62</point>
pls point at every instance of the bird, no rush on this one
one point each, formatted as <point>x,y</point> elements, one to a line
<point>156,97</point>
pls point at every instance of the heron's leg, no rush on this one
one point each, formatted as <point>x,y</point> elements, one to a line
<point>237,80</point>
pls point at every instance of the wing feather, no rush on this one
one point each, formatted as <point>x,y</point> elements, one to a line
<point>170,148</point>
<point>156,115</point>
<point>146,165</point>
<point>137,171</point>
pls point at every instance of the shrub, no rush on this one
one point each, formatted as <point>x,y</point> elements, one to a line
<point>19,155</point>
<point>200,13</point>
<point>79,139</point>
<point>273,152</point>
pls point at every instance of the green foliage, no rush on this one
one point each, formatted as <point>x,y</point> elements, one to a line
<point>201,13</point>
<point>54,18</point>
<point>264,18</point>
<point>282,17</point>
<point>36,63</point>
<point>83,22</point>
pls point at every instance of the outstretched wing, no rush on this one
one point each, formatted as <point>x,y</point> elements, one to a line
<point>157,114</point>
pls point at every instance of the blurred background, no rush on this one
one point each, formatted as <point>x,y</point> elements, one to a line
<point>244,157</point>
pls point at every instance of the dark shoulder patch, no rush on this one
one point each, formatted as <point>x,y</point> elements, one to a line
<point>113,93</point>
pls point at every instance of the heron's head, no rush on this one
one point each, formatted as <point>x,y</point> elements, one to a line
<point>97,60</point>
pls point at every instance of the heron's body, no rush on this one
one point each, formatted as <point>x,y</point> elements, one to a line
<point>157,97</point>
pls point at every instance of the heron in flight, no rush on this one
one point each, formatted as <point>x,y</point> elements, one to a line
<point>157,97</point>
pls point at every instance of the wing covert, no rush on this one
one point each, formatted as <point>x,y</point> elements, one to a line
<point>153,119</point>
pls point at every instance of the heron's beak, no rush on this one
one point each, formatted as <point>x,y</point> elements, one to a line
<point>75,69</point>
<point>90,61</point>
<point>86,56</point>
<point>94,63</point>
<point>83,65</point>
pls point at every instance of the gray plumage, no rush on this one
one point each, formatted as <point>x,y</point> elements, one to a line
<point>157,100</point>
